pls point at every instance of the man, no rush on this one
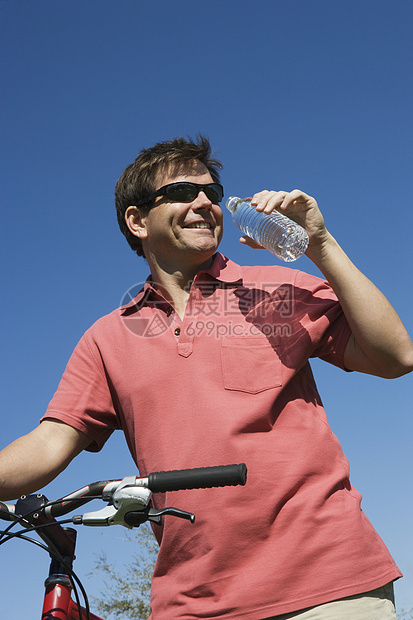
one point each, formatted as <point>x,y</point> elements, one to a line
<point>209,365</point>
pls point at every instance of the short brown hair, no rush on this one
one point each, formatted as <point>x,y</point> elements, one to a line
<point>139,178</point>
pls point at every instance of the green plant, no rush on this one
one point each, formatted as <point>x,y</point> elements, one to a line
<point>127,594</point>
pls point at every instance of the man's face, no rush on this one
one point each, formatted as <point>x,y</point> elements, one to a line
<point>183,232</point>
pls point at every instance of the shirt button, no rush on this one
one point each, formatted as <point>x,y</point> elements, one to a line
<point>169,311</point>
<point>177,331</point>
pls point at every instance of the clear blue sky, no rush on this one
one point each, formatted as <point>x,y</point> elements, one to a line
<point>314,94</point>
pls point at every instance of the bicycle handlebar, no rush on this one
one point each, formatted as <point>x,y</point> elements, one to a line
<point>7,512</point>
<point>157,482</point>
<point>129,505</point>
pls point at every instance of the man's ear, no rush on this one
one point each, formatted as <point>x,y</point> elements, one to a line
<point>136,222</point>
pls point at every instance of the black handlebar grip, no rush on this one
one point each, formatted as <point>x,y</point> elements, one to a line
<point>200,478</point>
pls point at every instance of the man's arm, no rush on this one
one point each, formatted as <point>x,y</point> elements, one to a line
<point>34,460</point>
<point>379,343</point>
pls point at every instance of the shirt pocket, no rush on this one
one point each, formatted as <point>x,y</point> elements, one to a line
<point>250,364</point>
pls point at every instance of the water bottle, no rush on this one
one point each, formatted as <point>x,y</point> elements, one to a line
<point>274,231</point>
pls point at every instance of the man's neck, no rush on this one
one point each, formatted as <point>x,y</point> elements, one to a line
<point>174,283</point>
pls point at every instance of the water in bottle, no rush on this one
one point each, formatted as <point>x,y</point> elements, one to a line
<point>274,231</point>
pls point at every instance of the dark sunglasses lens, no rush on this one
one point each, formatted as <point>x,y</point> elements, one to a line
<point>214,193</point>
<point>182,192</point>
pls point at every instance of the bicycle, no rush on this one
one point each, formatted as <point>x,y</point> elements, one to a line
<point>129,504</point>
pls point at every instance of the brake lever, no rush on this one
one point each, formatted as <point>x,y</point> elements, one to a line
<point>135,518</point>
<point>124,500</point>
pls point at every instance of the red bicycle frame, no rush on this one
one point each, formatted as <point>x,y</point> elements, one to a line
<point>58,604</point>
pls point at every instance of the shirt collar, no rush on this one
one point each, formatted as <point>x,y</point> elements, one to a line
<point>138,301</point>
<point>222,269</point>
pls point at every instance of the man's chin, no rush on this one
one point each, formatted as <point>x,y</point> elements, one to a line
<point>201,254</point>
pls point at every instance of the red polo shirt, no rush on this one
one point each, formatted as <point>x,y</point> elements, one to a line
<point>231,383</point>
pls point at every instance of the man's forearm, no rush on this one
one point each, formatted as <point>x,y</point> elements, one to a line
<point>34,460</point>
<point>380,344</point>
<point>22,469</point>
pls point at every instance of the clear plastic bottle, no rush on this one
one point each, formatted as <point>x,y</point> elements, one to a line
<point>275,232</point>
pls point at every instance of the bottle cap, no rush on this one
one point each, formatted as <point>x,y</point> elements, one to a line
<point>231,202</point>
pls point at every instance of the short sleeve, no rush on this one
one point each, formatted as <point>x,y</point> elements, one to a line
<point>83,399</point>
<point>323,319</point>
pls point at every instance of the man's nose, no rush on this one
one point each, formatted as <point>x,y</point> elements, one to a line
<point>202,201</point>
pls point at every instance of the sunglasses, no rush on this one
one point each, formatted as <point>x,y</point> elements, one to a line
<point>186,192</point>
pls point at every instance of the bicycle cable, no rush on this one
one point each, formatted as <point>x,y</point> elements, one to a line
<point>6,535</point>
<point>74,579</point>
<point>27,529</point>
<point>19,518</point>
